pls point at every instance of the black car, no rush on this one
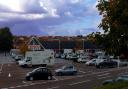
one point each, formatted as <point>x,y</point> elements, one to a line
<point>39,73</point>
<point>107,64</point>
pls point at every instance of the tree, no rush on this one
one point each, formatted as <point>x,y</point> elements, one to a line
<point>115,25</point>
<point>6,39</point>
<point>23,48</point>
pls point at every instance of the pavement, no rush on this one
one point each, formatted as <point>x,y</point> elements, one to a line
<point>13,77</point>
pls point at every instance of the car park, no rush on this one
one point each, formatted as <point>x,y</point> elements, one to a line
<point>39,73</point>
<point>66,70</point>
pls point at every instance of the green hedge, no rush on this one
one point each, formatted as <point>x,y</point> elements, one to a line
<point>117,85</point>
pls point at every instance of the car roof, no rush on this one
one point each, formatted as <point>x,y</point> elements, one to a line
<point>39,68</point>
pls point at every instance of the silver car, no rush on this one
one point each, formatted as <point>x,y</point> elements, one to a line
<point>66,70</point>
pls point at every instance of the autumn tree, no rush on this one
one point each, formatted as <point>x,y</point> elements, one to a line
<point>23,48</point>
<point>115,25</point>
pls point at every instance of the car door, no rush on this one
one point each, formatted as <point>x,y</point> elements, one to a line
<point>37,74</point>
<point>44,74</point>
<point>69,70</point>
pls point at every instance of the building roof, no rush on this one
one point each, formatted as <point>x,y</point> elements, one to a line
<point>68,45</point>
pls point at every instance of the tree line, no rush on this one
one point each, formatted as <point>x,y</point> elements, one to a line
<point>6,39</point>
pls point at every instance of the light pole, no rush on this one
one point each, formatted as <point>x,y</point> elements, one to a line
<point>118,54</point>
<point>59,46</point>
<point>83,43</point>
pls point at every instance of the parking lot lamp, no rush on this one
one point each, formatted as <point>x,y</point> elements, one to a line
<point>83,43</point>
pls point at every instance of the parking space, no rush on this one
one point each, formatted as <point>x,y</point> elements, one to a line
<point>12,75</point>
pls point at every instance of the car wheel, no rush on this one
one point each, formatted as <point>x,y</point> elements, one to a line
<point>49,77</point>
<point>59,73</point>
<point>31,78</point>
<point>100,67</point>
<point>75,72</point>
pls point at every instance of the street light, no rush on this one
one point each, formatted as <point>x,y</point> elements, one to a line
<point>83,43</point>
<point>58,44</point>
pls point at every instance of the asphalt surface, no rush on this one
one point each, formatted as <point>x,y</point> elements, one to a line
<point>13,77</point>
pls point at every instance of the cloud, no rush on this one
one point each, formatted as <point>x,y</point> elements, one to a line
<point>47,16</point>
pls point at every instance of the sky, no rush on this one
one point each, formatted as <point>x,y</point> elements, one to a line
<point>50,17</point>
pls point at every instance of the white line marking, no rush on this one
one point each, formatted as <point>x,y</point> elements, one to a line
<point>103,74</point>
<point>24,82</point>
<point>28,85</point>
<point>1,68</point>
<point>79,82</point>
<point>104,77</point>
<point>53,87</point>
<point>55,78</point>
<point>82,71</point>
<point>8,65</point>
<point>68,78</point>
<point>72,77</point>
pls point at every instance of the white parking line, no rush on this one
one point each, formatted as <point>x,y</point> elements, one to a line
<point>9,65</point>
<point>53,87</point>
<point>68,79</point>
<point>55,78</point>
<point>103,74</point>
<point>104,77</point>
<point>4,88</point>
<point>79,82</point>
<point>13,87</point>
<point>1,68</point>
<point>82,71</point>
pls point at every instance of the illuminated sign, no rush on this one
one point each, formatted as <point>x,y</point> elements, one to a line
<point>34,47</point>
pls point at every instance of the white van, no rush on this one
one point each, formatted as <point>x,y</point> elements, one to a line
<point>45,57</point>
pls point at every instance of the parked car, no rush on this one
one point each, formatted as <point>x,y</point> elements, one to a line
<point>63,56</point>
<point>108,64</point>
<point>91,62</point>
<point>118,79</point>
<point>121,62</point>
<point>39,73</point>
<point>66,70</point>
<point>82,60</point>
<point>18,57</point>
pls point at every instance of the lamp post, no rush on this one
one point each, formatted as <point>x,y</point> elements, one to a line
<point>83,43</point>
<point>118,54</point>
<point>59,46</point>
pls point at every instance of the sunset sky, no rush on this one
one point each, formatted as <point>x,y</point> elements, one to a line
<point>50,17</point>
